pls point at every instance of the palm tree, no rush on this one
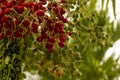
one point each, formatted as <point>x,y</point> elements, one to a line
<point>78,49</point>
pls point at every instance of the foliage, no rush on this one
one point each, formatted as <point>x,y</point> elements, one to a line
<point>67,42</point>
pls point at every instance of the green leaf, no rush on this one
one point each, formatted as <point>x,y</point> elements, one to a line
<point>108,64</point>
<point>103,3</point>
<point>93,4</point>
<point>114,7</point>
<point>7,59</point>
<point>107,5</point>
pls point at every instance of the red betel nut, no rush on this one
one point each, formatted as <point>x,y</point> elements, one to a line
<point>61,44</point>
<point>26,23</point>
<point>52,39</point>
<point>20,9</point>
<point>9,4</point>
<point>49,46</point>
<point>39,39</point>
<point>63,1</point>
<point>4,19</point>
<point>40,12</point>
<point>62,38</point>
<point>34,28</point>
<point>7,10</point>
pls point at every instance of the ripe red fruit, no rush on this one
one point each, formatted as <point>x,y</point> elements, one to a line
<point>1,36</point>
<point>40,20</point>
<point>51,50</point>
<point>43,30</point>
<point>59,74</point>
<point>20,9</point>
<point>49,46</point>
<point>21,1</point>
<point>64,20</point>
<point>44,35</point>
<point>18,33</point>
<point>50,21</point>
<point>61,44</point>
<point>40,5</point>
<point>56,9</point>
<point>61,31</point>
<point>9,32</point>
<point>4,3</point>
<point>1,13</point>
<point>34,28</point>
<point>29,4</point>
<point>8,26</point>
<point>34,25</point>
<point>62,38</point>
<point>43,1</point>
<point>16,7</point>
<point>60,16</point>
<point>56,30</point>
<point>24,4</point>
<point>63,1</point>
<point>26,23</point>
<point>7,11</point>
<point>9,4</point>
<point>40,12</point>
<point>50,27</point>
<point>17,22</point>
<point>59,24</point>
<point>52,40</point>
<point>4,19</point>
<point>44,9</point>
<point>69,33</point>
<point>3,7</point>
<point>62,11</point>
<point>39,39</point>
<point>49,6</point>
<point>37,6</point>
<point>52,5</point>
<point>1,1</point>
<point>31,10</point>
